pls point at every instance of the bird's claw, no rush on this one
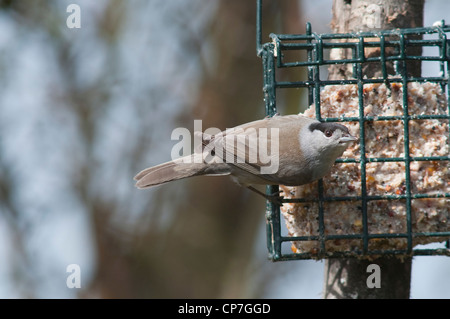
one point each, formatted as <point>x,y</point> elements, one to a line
<point>275,198</point>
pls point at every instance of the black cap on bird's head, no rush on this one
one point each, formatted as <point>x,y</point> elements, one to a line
<point>329,129</point>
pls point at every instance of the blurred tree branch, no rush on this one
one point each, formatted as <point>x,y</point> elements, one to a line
<point>193,238</point>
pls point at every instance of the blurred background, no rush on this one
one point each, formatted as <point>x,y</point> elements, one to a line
<point>83,110</point>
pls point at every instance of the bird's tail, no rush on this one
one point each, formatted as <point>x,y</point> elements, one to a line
<point>175,170</point>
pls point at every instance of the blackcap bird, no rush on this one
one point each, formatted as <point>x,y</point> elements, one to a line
<point>287,150</point>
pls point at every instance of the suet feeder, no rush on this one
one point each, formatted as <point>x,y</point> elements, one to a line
<point>390,192</point>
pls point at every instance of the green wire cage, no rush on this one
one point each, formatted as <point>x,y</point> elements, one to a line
<point>397,51</point>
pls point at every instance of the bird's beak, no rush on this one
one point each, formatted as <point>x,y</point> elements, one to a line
<point>347,138</point>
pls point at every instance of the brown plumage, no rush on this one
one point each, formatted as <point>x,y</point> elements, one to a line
<point>289,150</point>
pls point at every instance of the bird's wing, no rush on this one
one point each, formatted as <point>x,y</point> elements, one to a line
<point>255,145</point>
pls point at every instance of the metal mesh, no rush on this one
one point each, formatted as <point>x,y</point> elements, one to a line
<point>314,47</point>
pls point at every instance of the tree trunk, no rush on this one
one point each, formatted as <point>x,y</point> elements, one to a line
<point>347,277</point>
<point>372,15</point>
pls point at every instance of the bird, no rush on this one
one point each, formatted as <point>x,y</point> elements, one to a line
<point>302,150</point>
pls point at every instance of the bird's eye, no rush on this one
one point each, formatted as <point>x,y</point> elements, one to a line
<point>328,133</point>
